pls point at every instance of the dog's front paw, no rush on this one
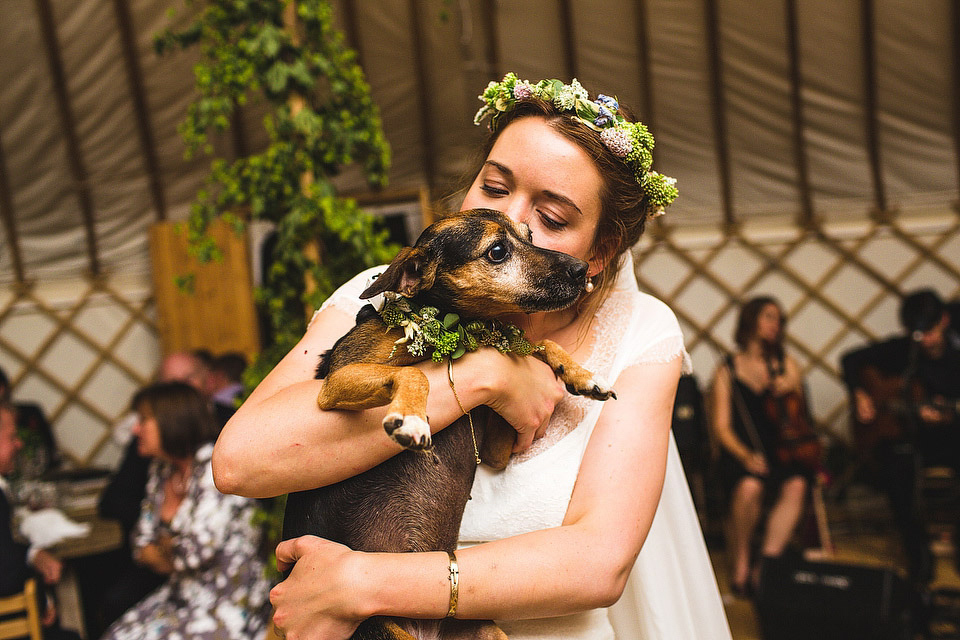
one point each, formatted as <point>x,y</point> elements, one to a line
<point>410,432</point>
<point>595,388</point>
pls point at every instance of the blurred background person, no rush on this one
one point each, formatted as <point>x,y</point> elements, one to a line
<point>904,394</point>
<point>39,453</point>
<point>18,562</point>
<point>205,542</point>
<point>768,454</point>
<point>113,582</point>
<point>224,384</point>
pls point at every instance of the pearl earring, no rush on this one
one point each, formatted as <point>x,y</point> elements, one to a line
<point>589,286</point>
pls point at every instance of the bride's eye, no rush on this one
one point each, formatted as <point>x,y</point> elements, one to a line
<point>551,222</point>
<point>492,190</point>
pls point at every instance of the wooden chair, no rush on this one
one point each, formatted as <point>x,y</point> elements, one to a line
<point>25,617</point>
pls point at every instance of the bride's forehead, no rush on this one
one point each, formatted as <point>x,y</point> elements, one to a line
<point>529,149</point>
<point>534,138</point>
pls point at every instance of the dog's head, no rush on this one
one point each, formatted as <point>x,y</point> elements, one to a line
<point>481,264</point>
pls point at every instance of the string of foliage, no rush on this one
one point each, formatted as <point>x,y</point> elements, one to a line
<point>249,56</point>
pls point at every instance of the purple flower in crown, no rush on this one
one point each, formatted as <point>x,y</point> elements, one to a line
<point>522,90</point>
<point>604,117</point>
<point>618,141</point>
<point>607,101</point>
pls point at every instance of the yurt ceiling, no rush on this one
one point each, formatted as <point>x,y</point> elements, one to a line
<point>815,144</point>
<point>809,109</point>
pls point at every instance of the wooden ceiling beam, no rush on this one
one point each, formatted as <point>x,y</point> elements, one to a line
<point>9,225</point>
<point>871,117</point>
<point>351,26</point>
<point>488,11</point>
<point>568,33</point>
<point>796,109</point>
<point>955,73</point>
<point>425,110</point>
<point>74,156</point>
<point>719,108</point>
<point>141,112</point>
<point>643,59</point>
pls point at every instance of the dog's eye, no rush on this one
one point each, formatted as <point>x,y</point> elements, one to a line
<point>497,253</point>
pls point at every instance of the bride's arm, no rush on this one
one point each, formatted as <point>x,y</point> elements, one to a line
<point>279,441</point>
<point>582,564</point>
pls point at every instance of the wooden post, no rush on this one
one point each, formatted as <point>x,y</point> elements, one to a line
<point>297,102</point>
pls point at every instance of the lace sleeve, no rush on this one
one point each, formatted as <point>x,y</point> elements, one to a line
<point>347,297</point>
<point>664,350</point>
<point>659,337</point>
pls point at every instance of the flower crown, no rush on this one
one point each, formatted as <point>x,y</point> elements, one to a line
<point>629,141</point>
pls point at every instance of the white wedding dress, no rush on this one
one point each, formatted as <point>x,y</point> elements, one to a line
<point>672,592</point>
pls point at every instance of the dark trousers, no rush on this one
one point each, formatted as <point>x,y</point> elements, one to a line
<point>111,583</point>
<point>899,468</point>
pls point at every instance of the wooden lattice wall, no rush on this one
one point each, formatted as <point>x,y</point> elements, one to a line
<point>81,348</point>
<point>840,284</point>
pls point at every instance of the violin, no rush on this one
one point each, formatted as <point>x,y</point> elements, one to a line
<point>797,441</point>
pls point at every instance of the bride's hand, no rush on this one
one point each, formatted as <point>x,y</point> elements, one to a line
<point>525,391</point>
<point>318,599</point>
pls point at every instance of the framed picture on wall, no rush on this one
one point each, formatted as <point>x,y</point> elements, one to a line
<point>404,213</point>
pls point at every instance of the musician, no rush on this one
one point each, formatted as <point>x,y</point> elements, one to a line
<point>904,392</point>
<point>749,393</point>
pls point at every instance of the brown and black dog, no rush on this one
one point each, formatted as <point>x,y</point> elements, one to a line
<point>480,265</point>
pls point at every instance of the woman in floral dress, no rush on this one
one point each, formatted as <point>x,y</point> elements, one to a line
<point>204,540</point>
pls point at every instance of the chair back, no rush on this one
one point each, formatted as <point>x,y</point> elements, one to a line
<point>24,616</point>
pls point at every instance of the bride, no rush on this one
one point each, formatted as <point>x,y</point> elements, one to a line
<point>593,509</point>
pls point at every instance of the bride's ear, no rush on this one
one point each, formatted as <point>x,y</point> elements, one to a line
<point>598,260</point>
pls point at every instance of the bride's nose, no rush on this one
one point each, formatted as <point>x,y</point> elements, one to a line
<point>517,210</point>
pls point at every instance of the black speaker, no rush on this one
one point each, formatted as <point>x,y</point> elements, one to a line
<point>800,599</point>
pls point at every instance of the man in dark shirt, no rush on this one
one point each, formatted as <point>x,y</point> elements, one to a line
<point>18,561</point>
<point>904,393</point>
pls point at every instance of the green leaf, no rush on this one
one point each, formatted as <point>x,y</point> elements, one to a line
<point>276,77</point>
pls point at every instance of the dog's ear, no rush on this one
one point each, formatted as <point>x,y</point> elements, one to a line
<point>411,272</point>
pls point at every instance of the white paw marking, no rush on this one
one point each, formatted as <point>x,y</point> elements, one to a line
<point>412,432</point>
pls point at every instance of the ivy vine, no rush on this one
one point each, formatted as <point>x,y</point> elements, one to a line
<point>252,53</point>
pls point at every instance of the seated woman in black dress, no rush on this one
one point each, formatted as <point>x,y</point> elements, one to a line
<point>744,386</point>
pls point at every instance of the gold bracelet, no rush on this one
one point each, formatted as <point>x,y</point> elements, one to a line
<point>454,584</point>
<point>473,432</point>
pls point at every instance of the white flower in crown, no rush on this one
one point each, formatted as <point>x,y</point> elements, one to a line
<point>578,91</point>
<point>568,95</point>
<point>565,99</point>
<point>617,140</point>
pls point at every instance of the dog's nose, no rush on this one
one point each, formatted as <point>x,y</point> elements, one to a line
<point>578,271</point>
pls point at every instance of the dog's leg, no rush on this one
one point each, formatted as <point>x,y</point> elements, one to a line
<point>381,629</point>
<point>498,438</point>
<point>454,629</point>
<point>363,385</point>
<point>579,381</point>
